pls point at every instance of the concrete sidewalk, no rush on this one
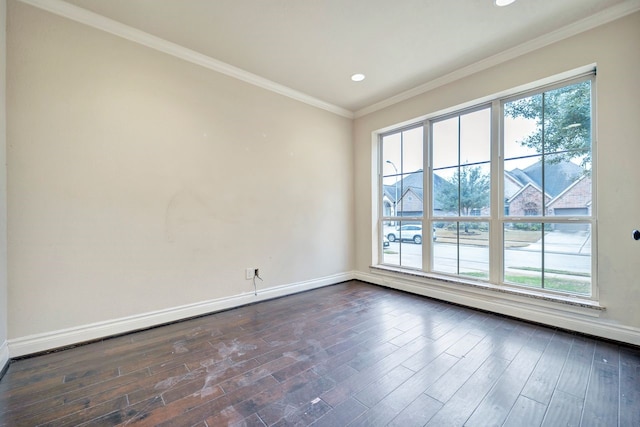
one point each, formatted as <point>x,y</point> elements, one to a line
<point>577,242</point>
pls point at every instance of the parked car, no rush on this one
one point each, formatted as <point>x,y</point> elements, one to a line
<point>385,242</point>
<point>411,232</point>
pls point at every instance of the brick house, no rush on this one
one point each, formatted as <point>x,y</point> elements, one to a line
<point>567,192</point>
<point>574,200</point>
<point>410,195</point>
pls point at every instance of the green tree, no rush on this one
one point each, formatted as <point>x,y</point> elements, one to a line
<point>467,190</point>
<point>563,119</point>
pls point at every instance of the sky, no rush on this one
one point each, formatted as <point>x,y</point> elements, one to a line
<point>474,147</point>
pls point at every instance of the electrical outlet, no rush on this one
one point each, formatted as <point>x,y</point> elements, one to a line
<point>250,273</point>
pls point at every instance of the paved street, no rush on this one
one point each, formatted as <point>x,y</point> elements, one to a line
<point>563,251</point>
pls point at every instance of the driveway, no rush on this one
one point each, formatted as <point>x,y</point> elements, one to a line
<point>561,242</point>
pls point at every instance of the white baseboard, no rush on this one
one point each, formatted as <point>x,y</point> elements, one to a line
<point>55,339</point>
<point>555,314</point>
<point>4,356</point>
<point>544,313</point>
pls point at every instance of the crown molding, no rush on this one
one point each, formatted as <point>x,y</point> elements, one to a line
<point>116,28</point>
<point>616,12</point>
<point>75,13</point>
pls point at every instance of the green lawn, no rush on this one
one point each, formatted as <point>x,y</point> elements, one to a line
<point>552,283</point>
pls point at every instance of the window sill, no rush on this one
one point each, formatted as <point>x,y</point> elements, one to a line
<point>565,303</point>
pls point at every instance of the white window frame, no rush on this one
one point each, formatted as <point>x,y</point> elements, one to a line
<point>497,217</point>
<point>432,219</point>
<point>380,209</point>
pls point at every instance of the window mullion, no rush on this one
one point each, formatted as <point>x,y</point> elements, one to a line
<point>525,179</point>
<point>427,212</point>
<point>496,224</point>
<point>544,192</point>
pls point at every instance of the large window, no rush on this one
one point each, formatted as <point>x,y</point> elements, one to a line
<point>547,174</point>
<point>402,195</point>
<point>509,195</point>
<point>461,196</point>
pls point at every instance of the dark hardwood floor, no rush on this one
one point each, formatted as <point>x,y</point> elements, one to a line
<point>349,354</point>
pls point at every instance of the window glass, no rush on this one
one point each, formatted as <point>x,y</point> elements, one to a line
<point>461,187</point>
<point>445,143</point>
<point>522,189</point>
<point>547,174</point>
<point>461,164</point>
<point>521,121</point>
<point>402,244</point>
<point>545,209</point>
<point>461,248</point>
<point>412,144</point>
<point>567,258</point>
<point>564,248</point>
<point>446,198</point>
<point>402,161</point>
<point>445,248</point>
<point>568,184</point>
<point>523,254</point>
<point>475,137</point>
<point>475,190</point>
<point>474,250</point>
<point>402,197</point>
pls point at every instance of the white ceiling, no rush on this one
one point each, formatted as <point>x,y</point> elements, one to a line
<point>314,46</point>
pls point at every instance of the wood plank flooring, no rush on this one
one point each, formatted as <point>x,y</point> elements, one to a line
<point>349,354</point>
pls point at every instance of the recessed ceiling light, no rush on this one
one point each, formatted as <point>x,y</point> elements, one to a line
<point>504,2</point>
<point>358,77</point>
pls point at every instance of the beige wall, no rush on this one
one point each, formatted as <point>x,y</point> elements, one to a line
<point>139,182</point>
<point>3,183</point>
<point>614,47</point>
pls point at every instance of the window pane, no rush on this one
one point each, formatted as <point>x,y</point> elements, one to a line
<point>405,244</point>
<point>562,119</point>
<point>411,194</point>
<point>567,119</point>
<point>523,127</point>
<point>445,143</point>
<point>391,193</point>
<point>411,231</point>
<point>412,144</point>
<point>402,172</point>
<point>387,208</point>
<point>475,137</point>
<point>474,250</point>
<point>523,187</point>
<point>446,200</point>
<point>445,248</point>
<point>460,190</point>
<point>547,182</point>
<point>523,254</point>
<point>461,248</point>
<point>390,250</point>
<point>391,154</point>
<point>567,258</point>
<point>475,189</point>
<point>569,186</point>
